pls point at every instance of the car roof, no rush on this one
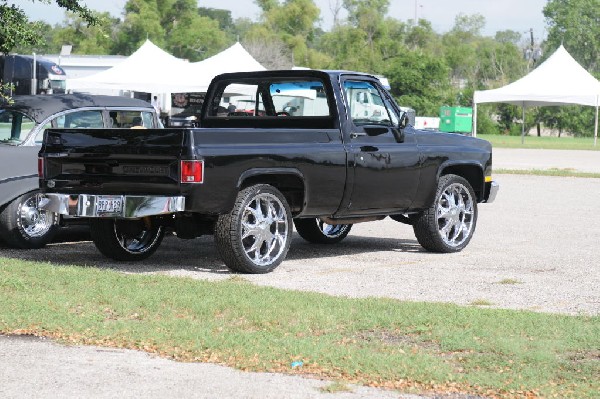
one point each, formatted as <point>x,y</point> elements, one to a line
<point>40,107</point>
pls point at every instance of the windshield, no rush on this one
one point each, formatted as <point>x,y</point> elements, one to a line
<point>58,84</point>
<point>14,127</point>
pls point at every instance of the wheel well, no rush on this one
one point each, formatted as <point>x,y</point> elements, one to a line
<point>472,173</point>
<point>291,186</point>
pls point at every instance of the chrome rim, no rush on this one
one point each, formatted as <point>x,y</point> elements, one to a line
<point>264,229</point>
<point>331,230</point>
<point>32,221</point>
<point>137,243</point>
<point>455,214</point>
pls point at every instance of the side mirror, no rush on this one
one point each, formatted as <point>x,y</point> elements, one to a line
<point>403,120</point>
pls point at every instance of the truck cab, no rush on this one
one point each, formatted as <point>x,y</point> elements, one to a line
<point>18,70</point>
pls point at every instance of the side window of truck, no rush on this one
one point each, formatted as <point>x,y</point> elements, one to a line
<point>366,105</point>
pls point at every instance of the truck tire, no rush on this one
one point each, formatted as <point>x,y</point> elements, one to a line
<point>23,225</point>
<point>317,231</point>
<point>449,223</point>
<point>255,236</point>
<point>125,240</point>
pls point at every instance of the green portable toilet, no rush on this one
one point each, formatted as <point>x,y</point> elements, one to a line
<point>456,119</point>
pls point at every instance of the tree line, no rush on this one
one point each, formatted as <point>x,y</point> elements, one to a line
<point>426,69</point>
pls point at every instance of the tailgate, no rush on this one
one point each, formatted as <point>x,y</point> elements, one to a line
<point>117,161</point>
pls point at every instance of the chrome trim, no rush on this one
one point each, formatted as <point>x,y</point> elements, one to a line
<point>84,205</point>
<point>494,187</point>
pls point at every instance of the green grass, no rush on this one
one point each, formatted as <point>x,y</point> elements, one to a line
<point>549,172</point>
<point>481,302</point>
<point>534,142</point>
<point>510,281</point>
<point>336,387</point>
<point>413,347</point>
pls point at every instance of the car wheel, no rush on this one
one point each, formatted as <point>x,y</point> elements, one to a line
<point>318,232</point>
<point>126,240</point>
<point>449,223</point>
<point>255,236</point>
<point>23,225</point>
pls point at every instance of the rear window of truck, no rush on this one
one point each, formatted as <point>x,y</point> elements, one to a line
<point>304,103</point>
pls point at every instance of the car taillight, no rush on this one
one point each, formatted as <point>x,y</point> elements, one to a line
<point>192,171</point>
<point>40,167</point>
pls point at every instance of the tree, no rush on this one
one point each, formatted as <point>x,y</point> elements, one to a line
<point>174,25</point>
<point>420,81</point>
<point>221,16</point>
<point>16,30</point>
<point>292,22</point>
<point>95,39</point>
<point>272,54</point>
<point>575,24</point>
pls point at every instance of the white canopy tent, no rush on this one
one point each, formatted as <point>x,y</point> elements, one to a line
<point>152,70</point>
<point>233,59</point>
<point>559,80</point>
<point>149,69</point>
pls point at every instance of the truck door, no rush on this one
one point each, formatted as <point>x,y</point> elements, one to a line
<point>384,162</point>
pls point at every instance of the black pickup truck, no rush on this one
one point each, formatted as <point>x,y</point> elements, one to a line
<point>320,150</point>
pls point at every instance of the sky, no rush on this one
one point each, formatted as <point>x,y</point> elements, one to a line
<point>516,15</point>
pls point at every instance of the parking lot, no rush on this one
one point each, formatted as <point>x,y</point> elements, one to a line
<point>535,248</point>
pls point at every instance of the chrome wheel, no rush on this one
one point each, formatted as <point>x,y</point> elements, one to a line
<point>126,240</point>
<point>455,215</point>
<point>332,230</point>
<point>264,229</point>
<point>32,221</point>
<point>448,224</point>
<point>23,225</point>
<point>137,242</point>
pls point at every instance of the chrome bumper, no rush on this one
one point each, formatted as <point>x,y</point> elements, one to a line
<point>85,205</point>
<point>493,190</point>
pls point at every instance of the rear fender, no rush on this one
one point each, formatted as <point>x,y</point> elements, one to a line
<point>14,187</point>
<point>289,181</point>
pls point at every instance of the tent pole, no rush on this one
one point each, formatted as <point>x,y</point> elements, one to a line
<point>523,126</point>
<point>596,124</point>
<point>475,118</point>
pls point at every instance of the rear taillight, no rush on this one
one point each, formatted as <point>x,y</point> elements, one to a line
<point>192,171</point>
<point>41,167</point>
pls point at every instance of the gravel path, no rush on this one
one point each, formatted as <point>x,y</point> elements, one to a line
<point>541,235</point>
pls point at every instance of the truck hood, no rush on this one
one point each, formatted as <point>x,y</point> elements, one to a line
<point>431,137</point>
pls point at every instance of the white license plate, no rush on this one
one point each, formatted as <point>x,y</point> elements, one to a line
<point>108,204</point>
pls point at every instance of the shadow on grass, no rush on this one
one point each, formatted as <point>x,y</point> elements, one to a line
<point>72,246</point>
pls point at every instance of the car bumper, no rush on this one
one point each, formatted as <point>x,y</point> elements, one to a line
<point>86,205</point>
<point>492,190</point>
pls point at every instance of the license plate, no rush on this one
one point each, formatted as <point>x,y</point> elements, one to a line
<point>108,204</point>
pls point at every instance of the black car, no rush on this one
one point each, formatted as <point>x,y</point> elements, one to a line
<point>22,126</point>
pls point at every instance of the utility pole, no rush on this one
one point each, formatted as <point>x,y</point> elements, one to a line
<point>416,5</point>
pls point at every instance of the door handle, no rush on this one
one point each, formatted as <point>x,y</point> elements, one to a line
<point>357,134</point>
<point>368,148</point>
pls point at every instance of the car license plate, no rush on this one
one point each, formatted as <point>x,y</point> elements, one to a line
<point>109,204</point>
